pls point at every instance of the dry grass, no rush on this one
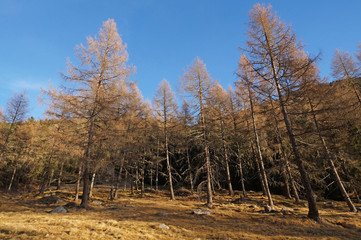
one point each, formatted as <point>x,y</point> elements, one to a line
<point>23,216</point>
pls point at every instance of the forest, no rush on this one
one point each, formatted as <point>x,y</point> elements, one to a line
<point>281,129</point>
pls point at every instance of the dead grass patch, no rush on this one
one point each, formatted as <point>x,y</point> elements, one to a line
<point>132,217</point>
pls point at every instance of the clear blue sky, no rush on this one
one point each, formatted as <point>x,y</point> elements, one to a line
<point>163,36</point>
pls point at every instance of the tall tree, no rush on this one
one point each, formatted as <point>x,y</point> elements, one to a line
<point>345,67</point>
<point>233,112</point>
<point>166,109</point>
<point>219,103</point>
<point>273,52</point>
<point>247,77</point>
<point>196,83</point>
<point>92,98</point>
<point>17,108</point>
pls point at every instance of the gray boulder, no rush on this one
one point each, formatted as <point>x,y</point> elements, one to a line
<point>201,212</point>
<point>163,226</point>
<point>59,209</point>
<point>287,211</point>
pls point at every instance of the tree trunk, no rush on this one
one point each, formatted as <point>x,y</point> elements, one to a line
<point>12,179</point>
<point>86,186</point>
<point>256,162</point>
<point>51,177</point>
<point>331,162</point>
<point>241,171</point>
<point>92,185</point>
<point>225,150</point>
<point>312,206</point>
<point>157,167</point>
<point>286,170</point>
<point>208,168</point>
<point>190,171</point>
<point>137,178</point>
<point>47,171</point>
<point>142,173</point>
<point>77,187</point>
<point>151,177</point>
<point>125,180</point>
<point>118,180</point>
<point>58,185</point>
<point>293,185</point>
<point>259,153</point>
<point>169,168</point>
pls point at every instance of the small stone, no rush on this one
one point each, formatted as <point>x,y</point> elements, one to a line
<point>287,211</point>
<point>201,212</point>
<point>97,202</point>
<point>267,209</point>
<point>163,226</point>
<point>59,209</point>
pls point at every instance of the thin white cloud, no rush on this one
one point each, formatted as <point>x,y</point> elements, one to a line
<point>26,84</point>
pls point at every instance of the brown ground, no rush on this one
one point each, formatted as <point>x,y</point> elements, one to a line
<point>24,216</point>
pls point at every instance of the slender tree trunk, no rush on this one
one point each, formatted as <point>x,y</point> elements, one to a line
<point>51,177</point>
<point>46,175</point>
<point>86,186</point>
<point>286,169</point>
<point>225,150</point>
<point>142,173</point>
<point>312,205</point>
<point>190,171</point>
<point>169,169</point>
<point>157,168</point>
<point>205,143</point>
<point>12,179</point>
<point>58,185</point>
<point>125,180</point>
<point>241,171</point>
<point>259,153</point>
<point>92,185</point>
<point>256,161</point>
<point>331,162</point>
<point>151,177</point>
<point>132,185</point>
<point>292,181</point>
<point>77,187</point>
<point>118,180</point>
<point>208,169</point>
<point>258,168</point>
<point>86,173</point>
<point>137,178</point>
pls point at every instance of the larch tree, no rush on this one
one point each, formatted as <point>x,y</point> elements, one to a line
<point>273,53</point>
<point>166,108</point>
<point>91,96</point>
<point>247,77</point>
<point>185,129</point>
<point>17,108</point>
<point>234,107</point>
<point>219,104</point>
<point>344,67</point>
<point>316,98</point>
<point>196,84</point>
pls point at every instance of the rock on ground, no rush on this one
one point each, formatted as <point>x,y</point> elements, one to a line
<point>287,211</point>
<point>163,226</point>
<point>201,212</point>
<point>59,209</point>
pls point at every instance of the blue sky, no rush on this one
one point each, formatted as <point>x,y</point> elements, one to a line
<point>163,37</point>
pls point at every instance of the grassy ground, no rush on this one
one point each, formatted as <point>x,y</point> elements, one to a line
<point>25,216</point>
